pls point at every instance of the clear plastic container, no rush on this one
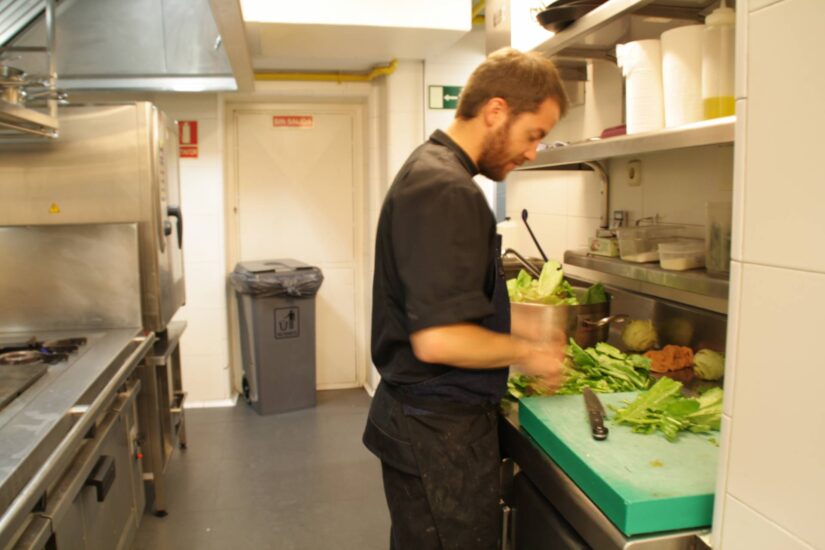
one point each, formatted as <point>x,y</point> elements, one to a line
<point>718,237</point>
<point>718,62</point>
<point>682,254</point>
<point>641,243</point>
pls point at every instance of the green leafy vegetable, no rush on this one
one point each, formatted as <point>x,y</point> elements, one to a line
<point>663,408</point>
<point>551,288</point>
<point>596,294</point>
<point>522,385</point>
<point>604,369</point>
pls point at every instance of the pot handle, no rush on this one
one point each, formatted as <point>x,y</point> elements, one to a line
<point>618,318</point>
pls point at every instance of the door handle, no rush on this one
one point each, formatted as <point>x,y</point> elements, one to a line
<point>175,212</point>
<point>102,477</point>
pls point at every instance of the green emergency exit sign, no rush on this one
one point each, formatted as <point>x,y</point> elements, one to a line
<point>444,97</point>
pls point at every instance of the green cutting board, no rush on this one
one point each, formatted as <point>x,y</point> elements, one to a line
<point>643,483</point>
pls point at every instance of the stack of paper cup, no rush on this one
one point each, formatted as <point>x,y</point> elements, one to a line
<point>682,75</point>
<point>641,64</point>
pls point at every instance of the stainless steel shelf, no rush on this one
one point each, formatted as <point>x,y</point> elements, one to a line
<point>596,33</point>
<point>695,281</point>
<point>707,132</point>
<point>17,117</point>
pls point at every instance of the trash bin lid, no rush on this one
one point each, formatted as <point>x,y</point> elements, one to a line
<point>280,277</point>
<point>283,265</point>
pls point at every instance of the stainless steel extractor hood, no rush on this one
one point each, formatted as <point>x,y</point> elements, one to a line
<point>145,45</point>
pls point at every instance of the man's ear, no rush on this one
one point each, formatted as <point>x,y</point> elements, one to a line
<point>495,112</point>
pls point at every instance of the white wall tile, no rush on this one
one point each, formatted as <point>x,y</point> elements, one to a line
<point>720,498</point>
<point>202,237</point>
<point>579,232</point>
<point>777,446</point>
<point>205,377</point>
<point>675,184</point>
<point>785,192</point>
<point>450,68</point>
<point>583,194</point>
<point>744,528</point>
<point>551,232</point>
<point>538,191</point>
<point>732,338</point>
<point>405,88</point>
<point>206,284</point>
<point>205,333</point>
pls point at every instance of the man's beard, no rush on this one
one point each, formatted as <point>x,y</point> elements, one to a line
<point>494,155</point>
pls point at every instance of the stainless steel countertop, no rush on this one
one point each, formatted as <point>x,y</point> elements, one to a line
<point>31,425</point>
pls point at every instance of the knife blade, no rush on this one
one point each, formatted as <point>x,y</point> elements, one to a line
<point>596,414</point>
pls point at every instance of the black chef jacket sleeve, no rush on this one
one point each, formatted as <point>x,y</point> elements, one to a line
<point>442,235</point>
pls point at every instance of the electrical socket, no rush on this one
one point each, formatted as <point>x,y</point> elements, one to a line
<point>634,173</point>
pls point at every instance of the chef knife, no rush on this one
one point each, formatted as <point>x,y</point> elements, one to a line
<point>595,411</point>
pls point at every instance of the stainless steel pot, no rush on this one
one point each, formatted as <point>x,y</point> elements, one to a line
<point>586,324</point>
<point>12,81</point>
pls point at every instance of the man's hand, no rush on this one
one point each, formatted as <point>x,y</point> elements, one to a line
<point>545,360</point>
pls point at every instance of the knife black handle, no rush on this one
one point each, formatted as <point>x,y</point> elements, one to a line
<point>598,429</point>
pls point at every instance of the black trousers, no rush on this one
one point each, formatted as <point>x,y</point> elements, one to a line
<point>441,475</point>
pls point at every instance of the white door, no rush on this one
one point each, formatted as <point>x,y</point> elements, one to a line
<point>298,197</point>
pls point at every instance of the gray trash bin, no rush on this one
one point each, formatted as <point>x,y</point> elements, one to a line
<point>276,310</point>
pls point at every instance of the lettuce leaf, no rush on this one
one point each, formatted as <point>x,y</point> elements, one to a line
<point>663,408</point>
<point>551,288</point>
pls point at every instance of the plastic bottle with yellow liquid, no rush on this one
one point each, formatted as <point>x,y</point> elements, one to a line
<point>718,45</point>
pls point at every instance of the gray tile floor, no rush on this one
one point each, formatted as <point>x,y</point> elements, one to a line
<point>299,480</point>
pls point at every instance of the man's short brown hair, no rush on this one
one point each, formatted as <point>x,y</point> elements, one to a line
<point>523,80</point>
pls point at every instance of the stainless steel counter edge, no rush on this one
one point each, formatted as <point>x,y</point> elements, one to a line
<point>39,434</point>
<point>585,517</point>
<point>166,343</point>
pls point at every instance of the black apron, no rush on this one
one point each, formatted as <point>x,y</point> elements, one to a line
<point>441,467</point>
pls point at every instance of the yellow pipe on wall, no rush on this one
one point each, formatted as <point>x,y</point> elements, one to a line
<point>476,16</point>
<point>333,77</point>
<point>478,8</point>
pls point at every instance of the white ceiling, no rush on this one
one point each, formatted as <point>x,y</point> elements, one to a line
<point>293,47</point>
<point>341,35</point>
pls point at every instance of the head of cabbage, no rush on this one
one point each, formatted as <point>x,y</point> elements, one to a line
<point>640,335</point>
<point>708,364</point>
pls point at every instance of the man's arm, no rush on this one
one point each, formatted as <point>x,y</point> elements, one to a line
<point>469,346</point>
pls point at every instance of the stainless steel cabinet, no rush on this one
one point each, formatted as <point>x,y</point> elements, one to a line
<point>94,505</point>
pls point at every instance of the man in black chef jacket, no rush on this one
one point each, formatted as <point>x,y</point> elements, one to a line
<point>441,316</point>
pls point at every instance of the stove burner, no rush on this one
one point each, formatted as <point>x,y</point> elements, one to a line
<point>37,351</point>
<point>24,357</point>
